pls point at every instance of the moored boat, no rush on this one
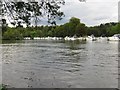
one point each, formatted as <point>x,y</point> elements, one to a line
<point>27,38</point>
<point>91,38</point>
<point>115,37</point>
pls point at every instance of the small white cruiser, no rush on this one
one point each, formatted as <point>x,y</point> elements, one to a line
<point>115,37</point>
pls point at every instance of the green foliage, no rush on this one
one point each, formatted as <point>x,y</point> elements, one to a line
<point>80,30</point>
<point>74,21</point>
<point>73,27</point>
<point>3,87</point>
<point>73,24</point>
<point>108,29</point>
<point>27,11</point>
<point>12,34</point>
<point>118,28</point>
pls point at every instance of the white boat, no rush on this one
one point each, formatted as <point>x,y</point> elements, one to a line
<point>115,37</point>
<point>48,38</point>
<point>27,38</point>
<point>70,38</point>
<point>102,38</point>
<point>91,38</point>
<point>36,38</point>
<point>51,38</point>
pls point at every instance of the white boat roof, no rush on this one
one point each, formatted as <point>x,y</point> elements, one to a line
<point>117,35</point>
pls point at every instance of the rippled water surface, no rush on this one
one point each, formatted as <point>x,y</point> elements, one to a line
<point>60,64</point>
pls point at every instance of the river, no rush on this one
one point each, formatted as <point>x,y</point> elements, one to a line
<point>60,64</point>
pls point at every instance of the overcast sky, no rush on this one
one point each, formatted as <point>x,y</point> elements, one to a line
<point>91,12</point>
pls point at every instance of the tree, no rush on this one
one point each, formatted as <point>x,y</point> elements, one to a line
<point>4,26</point>
<point>118,27</point>
<point>80,30</point>
<point>12,34</point>
<point>33,11</point>
<point>73,23</point>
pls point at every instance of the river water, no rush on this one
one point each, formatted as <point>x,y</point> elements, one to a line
<point>60,64</point>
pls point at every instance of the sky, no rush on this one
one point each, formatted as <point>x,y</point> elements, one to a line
<point>91,12</point>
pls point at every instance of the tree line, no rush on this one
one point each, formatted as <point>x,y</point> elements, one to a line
<point>73,28</point>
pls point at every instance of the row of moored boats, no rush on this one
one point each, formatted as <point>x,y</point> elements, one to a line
<point>115,37</point>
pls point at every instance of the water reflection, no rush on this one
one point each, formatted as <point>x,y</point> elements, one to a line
<point>40,63</point>
<point>74,45</point>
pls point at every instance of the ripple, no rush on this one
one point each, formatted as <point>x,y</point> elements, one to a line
<point>72,70</point>
<point>96,65</point>
<point>90,61</point>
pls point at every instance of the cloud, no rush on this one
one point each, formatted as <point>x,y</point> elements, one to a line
<point>92,12</point>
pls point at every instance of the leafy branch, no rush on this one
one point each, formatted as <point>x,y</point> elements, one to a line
<point>26,12</point>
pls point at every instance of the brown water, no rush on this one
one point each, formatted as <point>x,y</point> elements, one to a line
<point>60,64</point>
